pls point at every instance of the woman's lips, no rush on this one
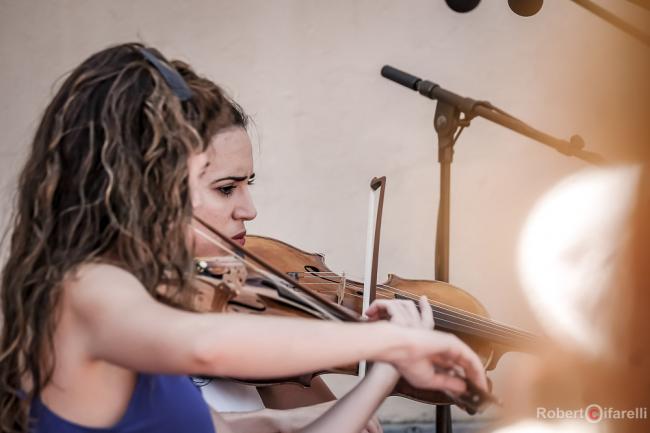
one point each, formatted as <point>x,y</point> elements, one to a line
<point>240,238</point>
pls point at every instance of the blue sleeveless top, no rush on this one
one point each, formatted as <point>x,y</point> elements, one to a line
<point>159,403</point>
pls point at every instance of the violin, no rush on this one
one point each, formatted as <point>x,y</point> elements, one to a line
<point>455,310</point>
<point>245,282</point>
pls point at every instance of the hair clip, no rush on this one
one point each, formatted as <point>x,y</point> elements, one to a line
<point>174,80</point>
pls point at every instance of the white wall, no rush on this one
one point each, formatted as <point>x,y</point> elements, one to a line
<point>308,72</point>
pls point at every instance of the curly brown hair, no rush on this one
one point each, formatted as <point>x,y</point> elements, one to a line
<point>107,176</point>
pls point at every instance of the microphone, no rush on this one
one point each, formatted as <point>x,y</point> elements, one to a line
<point>528,8</point>
<point>524,8</point>
<point>401,77</point>
<point>462,6</point>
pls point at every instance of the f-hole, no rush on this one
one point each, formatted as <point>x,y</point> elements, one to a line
<point>312,271</point>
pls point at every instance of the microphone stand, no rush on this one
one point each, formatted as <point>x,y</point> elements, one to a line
<point>616,21</point>
<point>449,124</point>
<point>446,122</point>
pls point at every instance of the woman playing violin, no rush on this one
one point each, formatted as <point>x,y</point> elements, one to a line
<point>222,198</point>
<point>103,228</point>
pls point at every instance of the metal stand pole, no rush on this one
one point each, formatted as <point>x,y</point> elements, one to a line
<point>446,122</point>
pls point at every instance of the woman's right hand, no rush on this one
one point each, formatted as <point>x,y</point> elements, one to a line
<point>431,354</point>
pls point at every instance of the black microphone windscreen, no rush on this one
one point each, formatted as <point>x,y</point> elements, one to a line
<point>400,77</point>
<point>525,8</point>
<point>462,5</point>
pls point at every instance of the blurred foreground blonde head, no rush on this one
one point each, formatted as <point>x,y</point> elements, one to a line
<point>597,380</point>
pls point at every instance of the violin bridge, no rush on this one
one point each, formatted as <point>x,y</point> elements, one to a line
<point>340,290</point>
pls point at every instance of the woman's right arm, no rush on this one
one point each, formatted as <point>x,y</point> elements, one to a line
<point>119,322</point>
<point>353,412</point>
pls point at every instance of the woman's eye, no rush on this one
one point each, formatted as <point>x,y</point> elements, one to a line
<point>251,182</point>
<point>226,190</point>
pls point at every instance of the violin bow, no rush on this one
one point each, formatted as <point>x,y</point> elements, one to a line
<point>375,211</point>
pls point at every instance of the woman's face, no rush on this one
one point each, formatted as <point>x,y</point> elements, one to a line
<point>220,180</point>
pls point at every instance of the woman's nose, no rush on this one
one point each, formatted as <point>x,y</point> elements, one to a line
<point>246,208</point>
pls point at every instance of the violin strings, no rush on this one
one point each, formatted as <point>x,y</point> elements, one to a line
<point>465,314</point>
<point>453,312</point>
<point>441,320</point>
<point>408,295</point>
<point>448,310</point>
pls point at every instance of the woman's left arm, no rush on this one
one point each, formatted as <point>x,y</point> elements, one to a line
<point>351,413</point>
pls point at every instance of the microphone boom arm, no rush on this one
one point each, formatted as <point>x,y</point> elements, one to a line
<point>472,108</point>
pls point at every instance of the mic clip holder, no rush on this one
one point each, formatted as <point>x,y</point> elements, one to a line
<point>447,121</point>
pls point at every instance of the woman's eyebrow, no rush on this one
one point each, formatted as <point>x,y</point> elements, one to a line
<point>234,178</point>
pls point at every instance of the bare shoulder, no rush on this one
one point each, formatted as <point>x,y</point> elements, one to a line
<point>99,270</point>
<point>112,318</point>
<point>92,287</point>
